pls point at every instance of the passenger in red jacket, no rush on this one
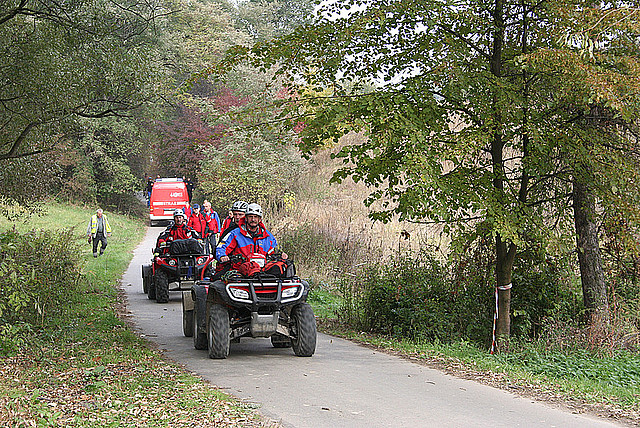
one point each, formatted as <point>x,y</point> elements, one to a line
<point>197,221</point>
<point>176,230</point>
<point>237,212</point>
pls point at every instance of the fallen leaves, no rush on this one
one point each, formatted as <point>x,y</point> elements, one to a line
<point>141,393</point>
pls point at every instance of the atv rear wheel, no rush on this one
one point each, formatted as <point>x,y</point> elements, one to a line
<point>280,341</point>
<point>218,332</point>
<point>151,292</point>
<point>199,334</point>
<point>187,321</point>
<point>303,328</point>
<point>162,287</point>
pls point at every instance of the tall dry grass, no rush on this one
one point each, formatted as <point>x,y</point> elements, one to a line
<point>338,213</point>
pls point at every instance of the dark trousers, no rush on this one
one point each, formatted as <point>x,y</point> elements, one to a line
<point>102,239</point>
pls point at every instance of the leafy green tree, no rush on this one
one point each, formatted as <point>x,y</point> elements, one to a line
<point>181,124</point>
<point>462,126</point>
<point>67,62</point>
<point>250,168</point>
<point>208,129</point>
<point>592,89</point>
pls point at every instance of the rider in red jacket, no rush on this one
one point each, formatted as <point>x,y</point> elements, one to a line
<point>213,227</point>
<point>177,230</point>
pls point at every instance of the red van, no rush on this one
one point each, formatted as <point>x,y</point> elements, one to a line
<point>167,195</point>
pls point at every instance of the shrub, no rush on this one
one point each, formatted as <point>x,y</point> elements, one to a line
<point>40,272</point>
<point>405,297</point>
<point>311,246</point>
<point>542,295</point>
<point>421,297</point>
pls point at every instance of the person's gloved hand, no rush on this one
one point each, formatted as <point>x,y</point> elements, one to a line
<point>89,239</point>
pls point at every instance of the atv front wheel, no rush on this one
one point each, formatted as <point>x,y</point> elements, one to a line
<point>162,287</point>
<point>303,328</point>
<point>218,332</point>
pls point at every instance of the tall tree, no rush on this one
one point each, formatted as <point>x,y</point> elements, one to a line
<point>67,60</point>
<point>266,19</point>
<point>592,83</point>
<point>459,123</point>
<point>63,63</point>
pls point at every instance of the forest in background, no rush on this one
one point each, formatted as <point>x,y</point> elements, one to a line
<point>96,99</point>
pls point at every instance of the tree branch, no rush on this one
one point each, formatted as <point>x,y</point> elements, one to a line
<point>18,142</point>
<point>14,12</point>
<point>474,46</point>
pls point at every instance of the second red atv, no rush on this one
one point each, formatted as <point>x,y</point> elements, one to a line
<point>177,269</point>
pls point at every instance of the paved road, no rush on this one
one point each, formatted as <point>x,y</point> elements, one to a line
<point>342,385</point>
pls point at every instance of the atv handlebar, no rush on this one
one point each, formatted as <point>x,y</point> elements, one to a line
<point>237,258</point>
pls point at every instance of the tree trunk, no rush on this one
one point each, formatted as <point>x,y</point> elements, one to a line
<point>505,255</point>
<point>594,287</point>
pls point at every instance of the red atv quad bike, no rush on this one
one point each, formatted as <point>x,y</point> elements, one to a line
<point>178,268</point>
<point>217,312</point>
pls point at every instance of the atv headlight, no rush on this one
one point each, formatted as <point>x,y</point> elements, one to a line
<point>172,262</point>
<point>201,260</point>
<point>289,291</point>
<point>239,293</point>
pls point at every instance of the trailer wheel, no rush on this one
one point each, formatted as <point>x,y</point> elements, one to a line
<point>151,294</point>
<point>199,334</point>
<point>187,321</point>
<point>146,278</point>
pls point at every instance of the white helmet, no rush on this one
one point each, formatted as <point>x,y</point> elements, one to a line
<point>239,206</point>
<point>254,209</point>
<point>178,213</point>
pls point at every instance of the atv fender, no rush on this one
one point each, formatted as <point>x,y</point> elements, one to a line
<point>199,299</point>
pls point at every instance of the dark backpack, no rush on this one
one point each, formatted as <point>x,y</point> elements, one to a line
<point>185,246</point>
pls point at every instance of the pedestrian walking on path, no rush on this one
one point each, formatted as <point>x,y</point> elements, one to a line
<point>97,231</point>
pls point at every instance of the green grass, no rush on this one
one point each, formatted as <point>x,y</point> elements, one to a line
<point>324,302</point>
<point>609,385</point>
<point>86,368</point>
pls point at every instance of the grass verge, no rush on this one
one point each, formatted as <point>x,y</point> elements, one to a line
<point>85,368</point>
